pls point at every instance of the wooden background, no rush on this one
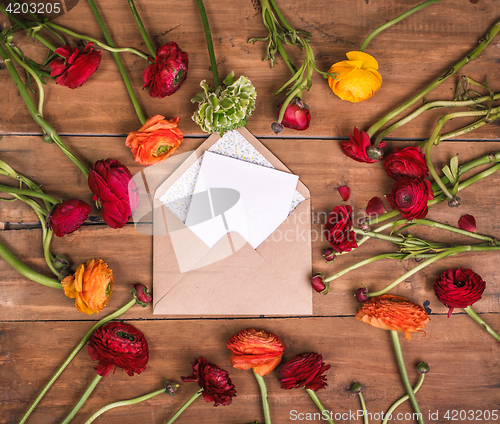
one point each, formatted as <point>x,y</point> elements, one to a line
<point>40,326</point>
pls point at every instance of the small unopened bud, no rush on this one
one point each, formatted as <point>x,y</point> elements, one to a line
<point>356,388</point>
<point>318,283</point>
<point>60,262</point>
<point>47,139</point>
<point>423,368</point>
<point>374,153</point>
<point>329,255</point>
<point>63,274</point>
<point>171,387</point>
<point>277,127</point>
<point>142,294</point>
<point>455,202</point>
<point>362,294</point>
<point>364,224</point>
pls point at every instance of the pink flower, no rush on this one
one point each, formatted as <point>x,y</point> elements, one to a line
<point>68,216</point>
<point>297,116</point>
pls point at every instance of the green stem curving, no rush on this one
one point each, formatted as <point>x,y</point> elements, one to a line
<point>481,322</point>
<point>46,252</point>
<point>83,399</point>
<point>265,399</point>
<point>363,407</point>
<point>317,402</point>
<point>404,376</point>
<point>143,31</point>
<point>210,44</point>
<point>183,407</point>
<point>394,21</point>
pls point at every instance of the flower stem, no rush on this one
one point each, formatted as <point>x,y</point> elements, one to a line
<point>481,322</point>
<point>210,45</point>
<point>20,23</point>
<point>286,58</point>
<point>46,127</point>
<point>73,353</point>
<point>25,270</point>
<point>96,42</point>
<point>315,399</point>
<point>403,399</point>
<point>183,407</point>
<point>265,400</point>
<point>487,39</point>
<point>123,72</point>
<point>83,399</point>
<point>434,224</point>
<point>124,403</point>
<point>46,252</point>
<point>139,23</point>
<point>394,21</point>
<point>31,193</point>
<point>363,407</point>
<point>404,376</point>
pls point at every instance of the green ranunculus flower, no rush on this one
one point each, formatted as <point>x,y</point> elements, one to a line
<point>226,107</point>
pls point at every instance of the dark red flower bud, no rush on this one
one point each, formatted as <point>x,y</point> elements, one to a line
<point>305,370</point>
<point>407,162</point>
<point>297,116</point>
<point>318,283</point>
<point>357,147</point>
<point>142,294</point>
<point>329,255</point>
<point>77,67</point>
<point>68,216</point>
<point>170,387</point>
<point>112,185</point>
<point>338,229</point>
<point>215,382</point>
<point>60,262</point>
<point>467,223</point>
<point>409,196</point>
<point>277,128</point>
<point>459,288</point>
<point>361,294</point>
<point>118,345</point>
<point>455,202</point>
<point>164,76</point>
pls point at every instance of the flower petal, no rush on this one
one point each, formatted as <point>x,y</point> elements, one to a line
<point>375,206</point>
<point>345,192</point>
<point>467,223</point>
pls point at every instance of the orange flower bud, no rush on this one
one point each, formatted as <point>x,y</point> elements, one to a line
<point>155,141</point>
<point>393,313</point>
<point>357,79</point>
<point>91,286</point>
<point>255,349</point>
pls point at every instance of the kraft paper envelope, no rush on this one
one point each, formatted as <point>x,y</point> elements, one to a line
<point>232,278</point>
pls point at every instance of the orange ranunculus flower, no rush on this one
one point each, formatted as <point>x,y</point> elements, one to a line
<point>155,141</point>
<point>357,79</point>
<point>255,349</point>
<point>91,286</point>
<point>393,313</point>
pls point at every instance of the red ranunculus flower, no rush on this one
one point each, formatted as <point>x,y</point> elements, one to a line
<point>68,216</point>
<point>357,147</point>
<point>459,288</point>
<point>257,349</point>
<point>109,181</point>
<point>338,229</point>
<point>164,76</point>
<point>297,116</point>
<point>77,67</point>
<point>118,345</point>
<point>409,196</point>
<point>215,382</point>
<point>407,162</point>
<point>305,370</point>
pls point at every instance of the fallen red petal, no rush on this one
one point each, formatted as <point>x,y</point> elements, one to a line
<point>467,223</point>
<point>375,207</point>
<point>344,192</point>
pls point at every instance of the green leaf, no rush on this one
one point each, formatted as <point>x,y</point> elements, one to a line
<point>454,166</point>
<point>446,171</point>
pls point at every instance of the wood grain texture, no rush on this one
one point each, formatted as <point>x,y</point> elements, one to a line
<point>410,55</point>
<point>461,378</point>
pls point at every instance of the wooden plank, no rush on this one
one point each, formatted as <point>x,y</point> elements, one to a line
<point>410,55</point>
<point>464,363</point>
<point>129,253</point>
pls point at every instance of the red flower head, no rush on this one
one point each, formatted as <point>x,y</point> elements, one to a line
<point>407,162</point>
<point>297,116</point>
<point>359,147</point>
<point>338,229</point>
<point>459,288</point>
<point>164,76</point>
<point>77,67</point>
<point>118,345</point>
<point>257,349</point>
<point>409,196</point>
<point>68,216</point>
<point>215,382</point>
<point>142,294</point>
<point>305,370</point>
<point>318,283</point>
<point>109,181</point>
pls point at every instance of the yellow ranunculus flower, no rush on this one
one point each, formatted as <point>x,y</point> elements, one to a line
<point>91,286</point>
<point>357,78</point>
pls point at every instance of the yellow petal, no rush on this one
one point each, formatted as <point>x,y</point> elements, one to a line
<point>368,61</point>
